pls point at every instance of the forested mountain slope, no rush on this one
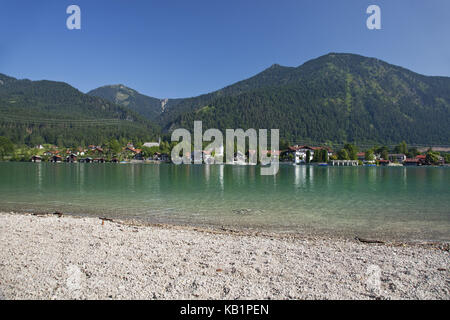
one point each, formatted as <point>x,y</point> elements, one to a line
<point>337,98</point>
<point>35,112</point>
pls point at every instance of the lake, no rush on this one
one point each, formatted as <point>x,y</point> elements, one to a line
<point>386,202</point>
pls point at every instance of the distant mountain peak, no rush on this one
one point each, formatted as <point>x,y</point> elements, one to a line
<point>122,95</point>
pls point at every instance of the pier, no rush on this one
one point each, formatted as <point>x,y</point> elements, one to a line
<point>344,163</point>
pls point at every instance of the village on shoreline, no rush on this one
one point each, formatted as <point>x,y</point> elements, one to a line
<point>160,152</point>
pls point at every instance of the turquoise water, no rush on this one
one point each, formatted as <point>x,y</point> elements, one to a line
<point>398,202</point>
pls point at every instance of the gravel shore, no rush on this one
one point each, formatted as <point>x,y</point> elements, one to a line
<point>51,257</point>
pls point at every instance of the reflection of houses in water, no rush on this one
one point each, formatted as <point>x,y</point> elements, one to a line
<point>298,174</point>
<point>252,173</point>
<point>40,178</point>
<point>371,175</point>
<point>221,169</point>
<point>405,173</point>
<point>207,172</point>
<point>303,175</point>
<point>309,175</point>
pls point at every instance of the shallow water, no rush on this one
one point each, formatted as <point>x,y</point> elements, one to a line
<point>401,202</point>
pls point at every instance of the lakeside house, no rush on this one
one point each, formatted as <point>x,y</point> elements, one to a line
<point>93,160</point>
<point>98,150</point>
<point>400,159</point>
<point>72,158</point>
<point>160,156</point>
<point>207,157</point>
<point>361,156</point>
<point>95,149</point>
<point>137,153</point>
<point>411,162</point>
<point>36,159</point>
<point>133,150</point>
<point>397,157</point>
<point>56,159</point>
<point>419,160</point>
<point>300,152</point>
<point>138,156</point>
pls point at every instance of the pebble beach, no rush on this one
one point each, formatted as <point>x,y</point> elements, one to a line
<point>66,257</point>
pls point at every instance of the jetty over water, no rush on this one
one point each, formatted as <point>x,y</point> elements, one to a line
<point>344,162</point>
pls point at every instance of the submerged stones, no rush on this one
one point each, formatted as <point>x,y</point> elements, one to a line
<point>246,211</point>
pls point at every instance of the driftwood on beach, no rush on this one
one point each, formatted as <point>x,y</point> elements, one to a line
<point>368,240</point>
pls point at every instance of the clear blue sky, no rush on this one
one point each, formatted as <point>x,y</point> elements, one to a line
<point>188,47</point>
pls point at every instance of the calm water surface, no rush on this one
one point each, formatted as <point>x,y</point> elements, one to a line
<point>410,203</point>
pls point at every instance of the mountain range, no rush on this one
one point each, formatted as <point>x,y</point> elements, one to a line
<point>335,98</point>
<point>37,112</point>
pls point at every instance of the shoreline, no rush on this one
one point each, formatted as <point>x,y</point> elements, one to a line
<point>284,163</point>
<point>305,232</point>
<point>70,257</point>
